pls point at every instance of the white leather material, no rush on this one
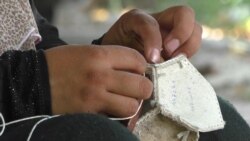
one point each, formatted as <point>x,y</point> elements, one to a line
<point>185,96</point>
<point>153,126</point>
<point>184,104</point>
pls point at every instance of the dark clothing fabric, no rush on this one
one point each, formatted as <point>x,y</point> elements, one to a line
<point>236,128</point>
<point>24,87</point>
<point>46,8</point>
<point>81,127</point>
<point>24,84</point>
<point>49,33</point>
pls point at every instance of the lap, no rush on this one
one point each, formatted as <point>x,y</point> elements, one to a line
<point>98,128</point>
<point>69,127</point>
<point>236,128</point>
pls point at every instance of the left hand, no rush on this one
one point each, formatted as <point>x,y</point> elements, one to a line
<point>158,36</point>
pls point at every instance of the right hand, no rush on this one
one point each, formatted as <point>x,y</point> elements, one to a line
<point>159,36</point>
<point>93,79</point>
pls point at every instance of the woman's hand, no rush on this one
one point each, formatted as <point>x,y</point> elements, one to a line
<point>94,79</point>
<point>158,36</point>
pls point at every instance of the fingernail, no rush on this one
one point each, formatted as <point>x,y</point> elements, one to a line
<point>155,55</point>
<point>171,46</point>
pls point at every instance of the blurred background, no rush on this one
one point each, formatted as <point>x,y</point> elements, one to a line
<point>224,58</point>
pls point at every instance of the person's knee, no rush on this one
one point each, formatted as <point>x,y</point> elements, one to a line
<point>236,127</point>
<point>82,127</point>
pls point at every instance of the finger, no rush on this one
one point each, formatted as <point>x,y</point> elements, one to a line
<point>124,58</point>
<point>180,23</point>
<point>120,106</point>
<point>147,29</point>
<point>130,85</point>
<point>192,45</point>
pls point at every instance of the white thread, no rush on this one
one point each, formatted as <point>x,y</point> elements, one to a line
<point>130,117</point>
<point>3,121</point>
<point>40,121</point>
<point>46,117</point>
<point>34,127</point>
<point>3,125</point>
<point>24,119</point>
<point>183,135</point>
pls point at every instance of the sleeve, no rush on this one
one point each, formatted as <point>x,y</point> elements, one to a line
<point>24,84</point>
<point>49,33</point>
